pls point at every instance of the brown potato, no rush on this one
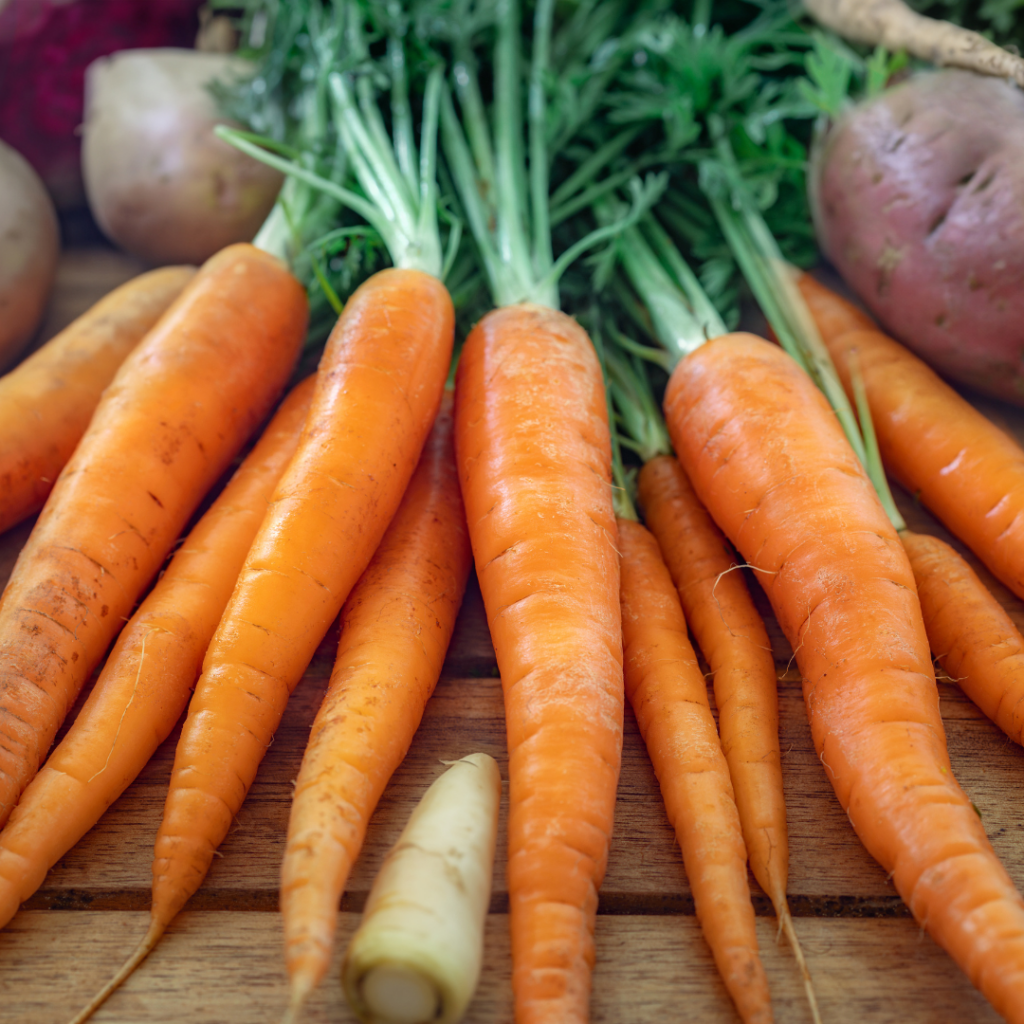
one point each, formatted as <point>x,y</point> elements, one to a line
<point>29,244</point>
<point>160,183</point>
<point>918,199</point>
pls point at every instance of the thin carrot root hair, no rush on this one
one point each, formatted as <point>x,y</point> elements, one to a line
<point>145,947</point>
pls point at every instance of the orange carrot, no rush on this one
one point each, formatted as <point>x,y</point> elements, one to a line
<point>667,690</point>
<point>768,459</point>
<point>179,408</point>
<point>378,390</point>
<point>731,634</point>
<point>969,632</point>
<point>47,401</point>
<point>148,678</point>
<point>964,468</point>
<point>532,441</point>
<point>396,626</point>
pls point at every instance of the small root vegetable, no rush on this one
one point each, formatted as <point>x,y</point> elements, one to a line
<point>29,244</point>
<point>160,183</point>
<point>417,954</point>
<point>892,24</point>
<point>47,401</point>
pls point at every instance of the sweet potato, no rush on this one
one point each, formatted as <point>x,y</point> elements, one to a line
<point>918,198</point>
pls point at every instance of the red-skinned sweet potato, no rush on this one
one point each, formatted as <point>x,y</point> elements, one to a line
<point>918,198</point>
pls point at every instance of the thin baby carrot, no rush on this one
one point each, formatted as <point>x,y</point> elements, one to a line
<point>148,677</point>
<point>179,408</point>
<point>966,470</point>
<point>969,632</point>
<point>395,630</point>
<point>46,402</point>
<point>534,460</point>
<point>732,637</point>
<point>667,691</point>
<point>766,456</point>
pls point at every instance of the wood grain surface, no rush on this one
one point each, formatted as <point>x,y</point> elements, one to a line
<point>221,961</point>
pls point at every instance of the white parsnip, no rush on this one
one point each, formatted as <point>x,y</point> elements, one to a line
<point>892,24</point>
<point>417,954</point>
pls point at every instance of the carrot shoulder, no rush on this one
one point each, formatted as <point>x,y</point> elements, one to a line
<point>767,457</point>
<point>178,410</point>
<point>533,448</point>
<point>964,468</point>
<point>47,401</point>
<point>395,630</point>
<point>669,695</point>
<point>731,634</point>
<point>148,677</point>
<point>377,393</point>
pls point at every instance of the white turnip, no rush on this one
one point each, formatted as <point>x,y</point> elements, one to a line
<point>160,183</point>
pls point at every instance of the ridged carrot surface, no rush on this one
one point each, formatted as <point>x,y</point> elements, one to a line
<point>970,634</point>
<point>178,410</point>
<point>533,448</point>
<point>963,467</point>
<point>395,629</point>
<point>767,458</point>
<point>47,401</point>
<point>668,693</point>
<point>148,677</point>
<point>732,637</point>
<point>377,394</point>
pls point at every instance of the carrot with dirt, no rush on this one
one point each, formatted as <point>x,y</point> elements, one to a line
<point>766,453</point>
<point>148,677</point>
<point>534,457</point>
<point>715,600</point>
<point>179,408</point>
<point>46,402</point>
<point>395,629</point>
<point>378,390</point>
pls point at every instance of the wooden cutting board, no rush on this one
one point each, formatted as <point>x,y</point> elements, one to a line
<point>221,961</point>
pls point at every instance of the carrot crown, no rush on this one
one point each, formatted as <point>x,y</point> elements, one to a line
<point>773,281</point>
<point>398,193</point>
<point>506,198</point>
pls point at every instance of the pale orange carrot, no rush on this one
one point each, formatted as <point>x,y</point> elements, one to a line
<point>46,402</point>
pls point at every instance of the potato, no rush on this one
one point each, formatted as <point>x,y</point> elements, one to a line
<point>160,183</point>
<point>918,199</point>
<point>29,244</point>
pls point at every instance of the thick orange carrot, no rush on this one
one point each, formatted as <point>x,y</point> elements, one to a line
<point>47,401</point>
<point>396,626</point>
<point>970,634</point>
<point>766,456</point>
<point>178,410</point>
<point>378,390</point>
<point>667,690</point>
<point>963,467</point>
<point>731,634</point>
<point>148,678</point>
<point>531,436</point>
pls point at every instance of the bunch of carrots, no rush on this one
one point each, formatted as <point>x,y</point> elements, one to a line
<point>373,489</point>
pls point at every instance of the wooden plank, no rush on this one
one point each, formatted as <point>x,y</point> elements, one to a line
<point>218,966</point>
